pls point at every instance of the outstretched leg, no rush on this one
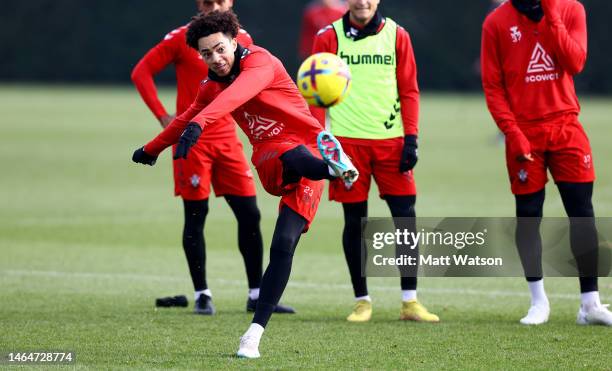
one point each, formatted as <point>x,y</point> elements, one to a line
<point>289,227</point>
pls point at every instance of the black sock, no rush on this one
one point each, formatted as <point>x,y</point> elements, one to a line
<point>287,232</point>
<point>193,241</point>
<point>403,207</point>
<point>529,211</point>
<point>352,245</point>
<point>299,162</point>
<point>249,236</point>
<point>583,234</point>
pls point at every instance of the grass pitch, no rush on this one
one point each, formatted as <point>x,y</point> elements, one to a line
<point>88,240</point>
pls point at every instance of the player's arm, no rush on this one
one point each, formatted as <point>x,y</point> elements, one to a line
<point>408,90</point>
<point>156,59</point>
<point>148,154</point>
<point>496,95</point>
<point>570,37</point>
<point>324,42</point>
<point>256,74</point>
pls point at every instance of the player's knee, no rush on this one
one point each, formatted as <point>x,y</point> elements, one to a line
<point>295,156</point>
<point>195,215</point>
<point>577,199</point>
<point>283,246</point>
<point>248,212</point>
<point>401,206</point>
<point>530,205</point>
<point>353,212</point>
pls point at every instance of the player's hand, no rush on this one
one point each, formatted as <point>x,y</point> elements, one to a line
<point>188,139</point>
<point>141,157</point>
<point>551,9</point>
<point>518,146</point>
<point>525,157</point>
<point>410,154</point>
<point>166,120</point>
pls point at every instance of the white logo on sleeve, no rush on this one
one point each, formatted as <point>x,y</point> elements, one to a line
<point>516,34</point>
<point>542,64</point>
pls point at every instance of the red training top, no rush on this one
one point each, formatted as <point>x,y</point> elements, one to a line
<point>190,71</point>
<point>528,67</point>
<point>261,97</point>
<point>408,88</point>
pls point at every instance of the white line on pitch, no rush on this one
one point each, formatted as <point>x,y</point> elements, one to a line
<point>296,284</point>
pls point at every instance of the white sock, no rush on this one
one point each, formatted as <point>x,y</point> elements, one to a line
<point>538,295</point>
<point>331,171</point>
<point>590,300</point>
<point>255,331</point>
<point>254,294</point>
<point>366,298</point>
<point>206,292</point>
<point>408,295</point>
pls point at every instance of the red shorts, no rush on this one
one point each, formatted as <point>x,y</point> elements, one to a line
<point>221,163</point>
<point>302,197</point>
<point>560,146</point>
<point>378,158</point>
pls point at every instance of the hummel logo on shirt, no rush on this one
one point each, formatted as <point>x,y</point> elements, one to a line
<point>540,62</point>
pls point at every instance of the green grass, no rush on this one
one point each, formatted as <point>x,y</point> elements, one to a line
<point>88,240</point>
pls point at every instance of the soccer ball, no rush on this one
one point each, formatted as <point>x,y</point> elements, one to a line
<point>324,79</point>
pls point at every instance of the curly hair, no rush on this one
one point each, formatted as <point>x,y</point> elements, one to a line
<point>206,25</point>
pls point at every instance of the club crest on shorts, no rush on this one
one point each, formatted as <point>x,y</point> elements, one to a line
<point>307,195</point>
<point>195,181</point>
<point>523,174</point>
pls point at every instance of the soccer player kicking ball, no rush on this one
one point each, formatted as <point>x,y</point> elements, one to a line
<point>377,125</point>
<point>531,51</point>
<point>252,85</point>
<point>217,159</point>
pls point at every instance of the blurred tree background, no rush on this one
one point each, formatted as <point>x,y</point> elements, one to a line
<point>75,41</point>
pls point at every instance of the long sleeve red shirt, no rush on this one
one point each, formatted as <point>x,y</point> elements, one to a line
<point>316,16</point>
<point>190,71</point>
<point>262,99</point>
<point>528,67</point>
<point>408,88</point>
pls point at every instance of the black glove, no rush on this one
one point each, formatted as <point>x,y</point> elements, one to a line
<point>141,157</point>
<point>188,139</point>
<point>409,154</point>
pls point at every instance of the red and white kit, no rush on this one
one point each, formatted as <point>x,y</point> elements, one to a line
<point>268,107</point>
<point>527,74</point>
<point>221,148</point>
<point>378,158</point>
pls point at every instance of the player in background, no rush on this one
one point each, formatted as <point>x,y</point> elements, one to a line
<point>531,51</point>
<point>217,159</point>
<point>318,14</point>
<point>377,126</point>
<point>253,85</point>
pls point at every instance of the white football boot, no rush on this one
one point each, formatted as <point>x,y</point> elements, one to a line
<point>537,315</point>
<point>336,159</point>
<point>249,347</point>
<point>597,315</point>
